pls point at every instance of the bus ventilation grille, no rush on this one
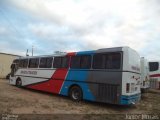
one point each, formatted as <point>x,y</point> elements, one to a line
<point>108,93</point>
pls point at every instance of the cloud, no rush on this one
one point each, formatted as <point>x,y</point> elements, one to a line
<point>91,24</point>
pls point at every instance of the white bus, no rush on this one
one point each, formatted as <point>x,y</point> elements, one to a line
<point>110,75</point>
<point>154,74</point>
<point>145,83</point>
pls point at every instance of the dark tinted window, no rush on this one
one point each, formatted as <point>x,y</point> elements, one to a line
<point>16,61</point>
<point>99,61</point>
<point>81,62</point>
<point>65,61</point>
<point>113,61</point>
<point>23,63</point>
<point>85,62</point>
<point>75,62</point>
<point>46,62</point>
<point>107,61</point>
<point>153,66</point>
<point>33,63</point>
<point>61,62</point>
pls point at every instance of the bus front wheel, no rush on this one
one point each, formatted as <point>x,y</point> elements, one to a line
<point>18,83</point>
<point>75,93</point>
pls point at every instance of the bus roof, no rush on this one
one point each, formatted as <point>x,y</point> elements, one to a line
<point>113,49</point>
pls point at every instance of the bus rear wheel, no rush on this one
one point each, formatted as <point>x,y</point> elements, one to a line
<point>18,83</point>
<point>75,93</point>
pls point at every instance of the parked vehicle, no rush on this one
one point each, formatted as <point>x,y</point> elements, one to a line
<point>145,83</point>
<point>154,74</point>
<point>110,75</point>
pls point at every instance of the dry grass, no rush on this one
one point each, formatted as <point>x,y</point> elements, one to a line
<point>15,100</point>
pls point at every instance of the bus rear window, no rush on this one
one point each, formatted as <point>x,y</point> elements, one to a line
<point>153,66</point>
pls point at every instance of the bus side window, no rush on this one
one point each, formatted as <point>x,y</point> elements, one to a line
<point>113,61</point>
<point>57,62</point>
<point>46,62</point>
<point>75,62</point>
<point>25,63</point>
<point>21,63</point>
<point>65,62</point>
<point>86,62</point>
<point>42,63</point>
<point>33,63</point>
<point>99,61</point>
<point>49,62</point>
<point>61,62</point>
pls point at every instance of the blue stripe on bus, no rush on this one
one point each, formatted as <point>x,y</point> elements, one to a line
<point>127,100</point>
<point>78,76</point>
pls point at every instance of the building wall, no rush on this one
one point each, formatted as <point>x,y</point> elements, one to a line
<point>5,63</point>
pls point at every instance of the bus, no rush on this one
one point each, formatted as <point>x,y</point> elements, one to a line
<point>154,74</point>
<point>145,83</point>
<point>109,75</point>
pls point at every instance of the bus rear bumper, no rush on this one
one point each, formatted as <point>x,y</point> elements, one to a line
<point>129,100</point>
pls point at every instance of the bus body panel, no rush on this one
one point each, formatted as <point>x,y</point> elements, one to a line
<point>131,77</point>
<point>144,74</point>
<point>101,85</point>
<point>154,74</point>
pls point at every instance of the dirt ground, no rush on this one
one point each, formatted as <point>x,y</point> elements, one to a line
<point>28,102</point>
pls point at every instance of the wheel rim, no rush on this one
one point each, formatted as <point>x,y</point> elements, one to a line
<point>75,94</point>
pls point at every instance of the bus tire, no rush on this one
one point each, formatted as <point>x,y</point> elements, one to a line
<point>19,82</point>
<point>75,93</point>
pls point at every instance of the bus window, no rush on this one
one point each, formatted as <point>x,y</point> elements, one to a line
<point>61,62</point>
<point>23,63</point>
<point>75,62</point>
<point>113,61</point>
<point>57,62</point>
<point>65,61</point>
<point>153,66</point>
<point>81,62</point>
<point>33,63</point>
<point>46,62</point>
<point>99,61</point>
<point>85,62</point>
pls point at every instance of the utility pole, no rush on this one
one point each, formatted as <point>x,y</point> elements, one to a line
<point>32,50</point>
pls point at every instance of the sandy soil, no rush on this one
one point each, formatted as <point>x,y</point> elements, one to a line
<point>15,100</point>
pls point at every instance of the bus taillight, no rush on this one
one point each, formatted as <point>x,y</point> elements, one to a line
<point>127,87</point>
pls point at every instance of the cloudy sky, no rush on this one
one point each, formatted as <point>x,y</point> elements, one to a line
<point>78,25</point>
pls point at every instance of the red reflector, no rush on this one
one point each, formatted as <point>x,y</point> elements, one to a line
<point>127,87</point>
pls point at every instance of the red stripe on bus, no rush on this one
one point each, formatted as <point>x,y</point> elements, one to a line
<point>54,85</point>
<point>155,75</point>
<point>71,54</point>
